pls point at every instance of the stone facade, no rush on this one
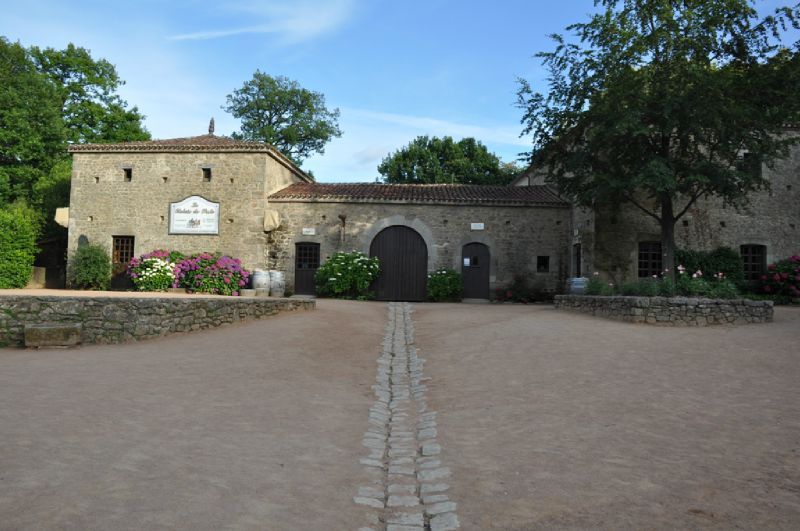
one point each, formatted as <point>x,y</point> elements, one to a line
<point>108,320</point>
<point>609,240</point>
<point>515,235</point>
<point>103,204</point>
<point>674,311</point>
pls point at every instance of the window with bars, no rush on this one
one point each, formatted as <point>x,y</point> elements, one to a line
<point>649,259</point>
<point>754,260</point>
<point>122,250</point>
<point>307,256</point>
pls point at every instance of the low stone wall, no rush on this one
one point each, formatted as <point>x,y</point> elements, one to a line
<point>115,320</point>
<point>672,311</point>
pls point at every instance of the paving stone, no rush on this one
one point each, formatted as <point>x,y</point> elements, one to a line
<point>406,518</point>
<point>430,499</point>
<point>396,527</point>
<point>402,461</point>
<point>402,501</point>
<point>370,492</point>
<point>431,449</point>
<point>404,470</point>
<point>427,433</point>
<point>436,473</point>
<point>371,462</point>
<point>435,463</point>
<point>399,488</point>
<point>444,522</point>
<point>370,502</point>
<point>430,488</point>
<point>441,507</point>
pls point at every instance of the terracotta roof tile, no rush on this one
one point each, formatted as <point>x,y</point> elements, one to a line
<point>419,193</point>
<point>194,143</point>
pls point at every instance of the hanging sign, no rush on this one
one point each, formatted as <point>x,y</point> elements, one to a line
<point>194,215</point>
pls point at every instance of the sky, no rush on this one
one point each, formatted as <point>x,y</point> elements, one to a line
<point>394,69</point>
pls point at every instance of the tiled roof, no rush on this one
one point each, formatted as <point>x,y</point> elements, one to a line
<point>419,193</point>
<point>204,143</point>
<point>194,143</point>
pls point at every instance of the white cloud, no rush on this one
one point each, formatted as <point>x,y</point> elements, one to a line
<point>291,21</point>
<point>369,136</point>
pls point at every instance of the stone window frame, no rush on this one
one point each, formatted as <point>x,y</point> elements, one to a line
<point>127,173</point>
<point>649,259</point>
<point>208,173</point>
<point>754,260</point>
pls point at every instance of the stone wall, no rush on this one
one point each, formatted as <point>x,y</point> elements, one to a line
<point>515,235</point>
<point>772,219</point>
<point>115,320</point>
<point>103,204</point>
<point>674,311</point>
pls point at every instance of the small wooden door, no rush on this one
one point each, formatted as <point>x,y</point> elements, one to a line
<point>121,253</point>
<point>306,263</point>
<point>475,270</point>
<point>403,259</point>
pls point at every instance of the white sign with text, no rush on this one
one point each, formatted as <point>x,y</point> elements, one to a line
<point>194,215</point>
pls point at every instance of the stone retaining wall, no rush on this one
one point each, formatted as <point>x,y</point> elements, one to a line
<point>674,311</point>
<point>115,320</point>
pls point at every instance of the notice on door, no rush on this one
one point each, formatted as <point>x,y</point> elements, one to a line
<point>194,215</point>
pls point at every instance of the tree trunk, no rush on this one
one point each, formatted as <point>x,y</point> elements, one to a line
<point>667,236</point>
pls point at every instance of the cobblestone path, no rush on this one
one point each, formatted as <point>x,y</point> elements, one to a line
<point>408,485</point>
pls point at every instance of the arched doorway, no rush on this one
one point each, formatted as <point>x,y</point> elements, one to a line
<point>475,270</point>
<point>403,259</point>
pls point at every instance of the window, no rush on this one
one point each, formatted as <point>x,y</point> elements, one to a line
<point>649,259</point>
<point>754,260</point>
<point>127,174</point>
<point>207,175</point>
<point>122,252</point>
<point>576,254</point>
<point>542,264</point>
<point>751,164</point>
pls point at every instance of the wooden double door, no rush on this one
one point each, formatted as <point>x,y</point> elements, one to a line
<point>403,258</point>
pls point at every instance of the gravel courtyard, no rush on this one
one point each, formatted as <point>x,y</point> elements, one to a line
<point>546,420</point>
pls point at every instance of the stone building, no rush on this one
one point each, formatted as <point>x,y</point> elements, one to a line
<point>245,199</point>
<point>624,244</point>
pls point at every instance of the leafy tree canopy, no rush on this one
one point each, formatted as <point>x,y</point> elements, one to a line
<point>87,88</point>
<point>443,160</point>
<point>277,110</point>
<point>49,98</point>
<point>657,102</point>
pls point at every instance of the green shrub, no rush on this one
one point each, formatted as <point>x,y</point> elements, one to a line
<point>347,275</point>
<point>721,260</point>
<point>90,268</point>
<point>723,289</point>
<point>595,286</point>
<point>444,285</point>
<point>18,232</point>
<point>666,287</point>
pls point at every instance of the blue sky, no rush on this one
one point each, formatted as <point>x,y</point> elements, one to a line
<point>395,69</point>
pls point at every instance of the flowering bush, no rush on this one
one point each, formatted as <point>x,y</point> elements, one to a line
<point>154,271</point>
<point>782,278</point>
<point>718,286</point>
<point>347,275</point>
<point>211,273</point>
<point>444,285</point>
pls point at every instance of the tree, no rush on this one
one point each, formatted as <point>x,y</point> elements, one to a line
<point>92,110</point>
<point>443,160</point>
<point>280,112</point>
<point>31,131</point>
<point>662,102</point>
